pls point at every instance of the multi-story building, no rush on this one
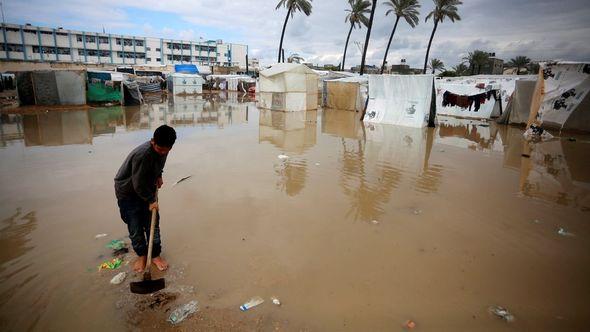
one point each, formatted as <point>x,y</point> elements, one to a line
<point>34,43</point>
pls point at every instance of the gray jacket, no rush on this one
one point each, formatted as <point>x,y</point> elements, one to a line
<point>137,176</point>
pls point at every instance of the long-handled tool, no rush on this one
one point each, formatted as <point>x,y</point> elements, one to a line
<point>147,285</point>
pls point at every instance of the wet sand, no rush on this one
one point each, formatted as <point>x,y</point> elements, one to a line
<point>363,227</point>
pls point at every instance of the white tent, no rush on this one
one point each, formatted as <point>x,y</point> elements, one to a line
<point>288,87</point>
<point>403,100</point>
<point>180,83</point>
<point>519,107</point>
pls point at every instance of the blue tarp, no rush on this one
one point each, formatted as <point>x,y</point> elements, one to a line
<point>187,69</point>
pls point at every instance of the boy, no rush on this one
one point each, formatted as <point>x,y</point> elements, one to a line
<point>135,188</point>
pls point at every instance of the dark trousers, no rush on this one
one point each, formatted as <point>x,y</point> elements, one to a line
<point>136,214</point>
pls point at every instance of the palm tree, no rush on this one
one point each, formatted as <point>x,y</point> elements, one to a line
<point>368,36</point>
<point>442,9</point>
<point>476,60</point>
<point>519,62</point>
<point>356,16</point>
<point>460,69</point>
<point>436,64</point>
<point>295,58</point>
<point>292,6</point>
<point>408,9</point>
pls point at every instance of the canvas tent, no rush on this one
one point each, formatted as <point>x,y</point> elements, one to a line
<point>63,87</point>
<point>519,106</point>
<point>403,100</point>
<point>347,93</point>
<point>561,98</point>
<point>288,87</point>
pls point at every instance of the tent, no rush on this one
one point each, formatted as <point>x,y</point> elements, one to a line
<point>232,82</point>
<point>347,93</point>
<point>519,106</point>
<point>288,87</point>
<point>403,100</point>
<point>61,87</point>
<point>179,83</point>
<point>104,86</point>
<point>480,96</point>
<point>561,98</point>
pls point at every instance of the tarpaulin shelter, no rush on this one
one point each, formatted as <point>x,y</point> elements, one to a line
<point>288,87</point>
<point>348,93</point>
<point>8,91</point>
<point>561,98</point>
<point>180,83</point>
<point>63,87</point>
<point>403,100</point>
<point>104,86</point>
<point>519,107</point>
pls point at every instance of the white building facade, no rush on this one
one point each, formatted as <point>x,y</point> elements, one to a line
<point>33,43</point>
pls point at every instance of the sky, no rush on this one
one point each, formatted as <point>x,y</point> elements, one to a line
<point>539,29</point>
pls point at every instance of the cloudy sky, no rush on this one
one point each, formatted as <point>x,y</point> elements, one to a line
<point>539,29</point>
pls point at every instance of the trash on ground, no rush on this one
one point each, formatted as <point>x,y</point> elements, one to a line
<point>182,179</point>
<point>502,313</point>
<point>98,236</point>
<point>182,312</point>
<point>537,221</point>
<point>317,164</point>
<point>283,156</point>
<point>251,303</point>
<point>537,133</point>
<point>116,244</point>
<point>119,278</point>
<point>417,211</point>
<point>563,232</point>
<point>409,324</point>
<point>114,263</point>
<point>374,222</point>
<point>275,301</point>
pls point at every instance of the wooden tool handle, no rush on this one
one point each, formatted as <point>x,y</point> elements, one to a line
<point>151,239</point>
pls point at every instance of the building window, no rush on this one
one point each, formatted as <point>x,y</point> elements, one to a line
<point>138,42</point>
<point>33,32</point>
<point>63,51</point>
<point>148,59</point>
<point>140,55</point>
<point>168,45</point>
<point>186,58</point>
<point>127,42</point>
<point>80,52</point>
<point>148,48</point>
<point>118,41</point>
<point>79,38</point>
<point>158,50</point>
<point>46,32</point>
<point>186,47</point>
<point>105,53</point>
<point>90,39</point>
<point>13,47</point>
<point>158,59</point>
<point>169,57</point>
<point>12,29</point>
<point>61,33</point>
<point>103,40</point>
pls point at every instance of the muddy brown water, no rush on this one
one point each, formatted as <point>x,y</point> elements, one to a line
<point>362,228</point>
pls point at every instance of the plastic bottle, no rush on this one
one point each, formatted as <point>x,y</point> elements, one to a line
<point>251,303</point>
<point>182,312</point>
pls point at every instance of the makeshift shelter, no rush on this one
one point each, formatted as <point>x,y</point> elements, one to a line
<point>104,86</point>
<point>232,82</point>
<point>180,83</point>
<point>519,107</point>
<point>63,87</point>
<point>561,95</point>
<point>8,91</point>
<point>403,100</point>
<point>348,93</point>
<point>288,87</point>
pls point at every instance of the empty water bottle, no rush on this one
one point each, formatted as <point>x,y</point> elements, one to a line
<point>182,312</point>
<point>251,303</point>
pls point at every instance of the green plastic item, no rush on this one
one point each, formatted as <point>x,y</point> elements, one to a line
<point>114,263</point>
<point>101,92</point>
<point>116,244</point>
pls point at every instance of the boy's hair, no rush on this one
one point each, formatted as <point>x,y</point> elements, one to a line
<point>165,136</point>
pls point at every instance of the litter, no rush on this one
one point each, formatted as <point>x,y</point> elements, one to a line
<point>409,324</point>
<point>182,179</point>
<point>283,156</point>
<point>317,164</point>
<point>374,222</point>
<point>502,313</point>
<point>417,211</point>
<point>114,263</point>
<point>563,232</point>
<point>536,133</point>
<point>252,303</point>
<point>537,221</point>
<point>275,301</point>
<point>98,236</point>
<point>182,312</point>
<point>116,244</point>
<point>119,278</point>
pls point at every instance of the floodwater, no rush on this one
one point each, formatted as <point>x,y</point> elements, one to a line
<point>362,228</point>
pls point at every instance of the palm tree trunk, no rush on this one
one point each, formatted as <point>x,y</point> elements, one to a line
<point>368,37</point>
<point>433,71</point>
<point>517,70</point>
<point>283,33</point>
<point>346,46</point>
<point>429,44</point>
<point>388,44</point>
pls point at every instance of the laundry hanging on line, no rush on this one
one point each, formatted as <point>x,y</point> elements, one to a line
<point>451,99</point>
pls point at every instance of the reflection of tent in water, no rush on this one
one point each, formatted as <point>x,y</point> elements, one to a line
<point>342,124</point>
<point>104,120</point>
<point>57,128</point>
<point>390,157</point>
<point>473,135</point>
<point>547,175</point>
<point>292,132</point>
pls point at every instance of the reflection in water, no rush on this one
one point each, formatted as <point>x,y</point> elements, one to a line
<point>472,134</point>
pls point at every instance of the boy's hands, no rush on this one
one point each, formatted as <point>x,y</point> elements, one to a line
<point>154,205</point>
<point>159,182</point>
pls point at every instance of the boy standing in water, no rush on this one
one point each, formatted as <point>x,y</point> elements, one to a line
<point>135,188</point>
